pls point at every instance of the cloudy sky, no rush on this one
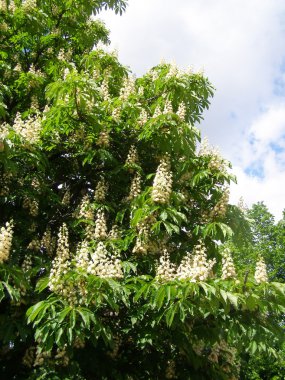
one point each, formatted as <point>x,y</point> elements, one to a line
<point>240,44</point>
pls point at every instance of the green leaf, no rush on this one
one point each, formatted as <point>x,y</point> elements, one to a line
<point>33,311</point>
<point>171,314</point>
<point>85,315</point>
<point>62,315</point>
<point>42,284</point>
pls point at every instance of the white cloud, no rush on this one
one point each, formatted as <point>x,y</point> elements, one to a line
<point>264,146</point>
<point>270,190</point>
<point>240,44</point>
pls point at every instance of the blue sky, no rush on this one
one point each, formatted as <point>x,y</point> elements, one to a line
<point>240,46</point>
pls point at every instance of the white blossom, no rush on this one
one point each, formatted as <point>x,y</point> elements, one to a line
<point>162,184</point>
<point>101,190</point>
<point>228,267</point>
<point>157,112</point>
<point>128,88</point>
<point>103,139</point>
<point>100,226</point>
<point>85,210</point>
<point>4,131</point>
<point>219,210</point>
<point>181,112</point>
<point>104,89</point>
<point>132,157</point>
<point>6,235</point>
<point>29,129</point>
<point>61,262</point>
<point>196,266</point>
<point>29,5</point>
<point>82,260</point>
<point>135,189</point>
<point>116,114</point>
<point>143,118</point>
<point>167,107</point>
<point>261,271</point>
<point>165,270</point>
<point>105,265</point>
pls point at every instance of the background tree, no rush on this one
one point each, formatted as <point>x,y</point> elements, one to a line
<point>112,216</point>
<point>266,239</point>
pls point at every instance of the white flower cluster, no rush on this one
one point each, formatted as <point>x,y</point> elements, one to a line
<point>6,235</point>
<point>34,103</point>
<point>48,242</point>
<point>35,183</point>
<point>32,205</point>
<point>173,71</point>
<point>27,263</point>
<point>82,256</point>
<point>166,270</point>
<point>66,198</point>
<point>12,6</point>
<point>29,129</point>
<point>242,205</point>
<point>132,157</point>
<point>3,5</point>
<point>104,89</point>
<point>66,73</point>
<point>114,232</point>
<point>29,5</point>
<point>105,265</point>
<point>128,88</point>
<point>141,245</point>
<point>220,208</point>
<point>157,112</point>
<point>181,112</point>
<point>41,356</point>
<point>196,267</point>
<point>34,71</point>
<point>144,243</point>
<point>61,262</point>
<point>101,190</point>
<point>34,245</point>
<point>205,148</point>
<point>85,210</point>
<point>5,184</point>
<point>3,26</point>
<point>78,343</point>
<point>103,139</point>
<point>216,163</point>
<point>167,107</point>
<point>116,114</point>
<point>100,226</point>
<point>143,118</point>
<point>62,55</point>
<point>162,184</point>
<point>4,131</point>
<point>135,189</point>
<point>261,271</point>
<point>228,267</point>
<point>18,68</point>
<point>29,357</point>
<point>61,357</point>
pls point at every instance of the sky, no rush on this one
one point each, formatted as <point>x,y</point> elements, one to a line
<point>240,45</point>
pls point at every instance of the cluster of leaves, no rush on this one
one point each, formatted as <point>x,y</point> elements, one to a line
<point>266,238</point>
<point>138,327</point>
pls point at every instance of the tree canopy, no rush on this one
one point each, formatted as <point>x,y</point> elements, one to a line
<point>116,227</point>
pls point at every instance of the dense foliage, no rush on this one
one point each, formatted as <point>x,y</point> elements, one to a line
<point>267,238</point>
<point>114,257</point>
